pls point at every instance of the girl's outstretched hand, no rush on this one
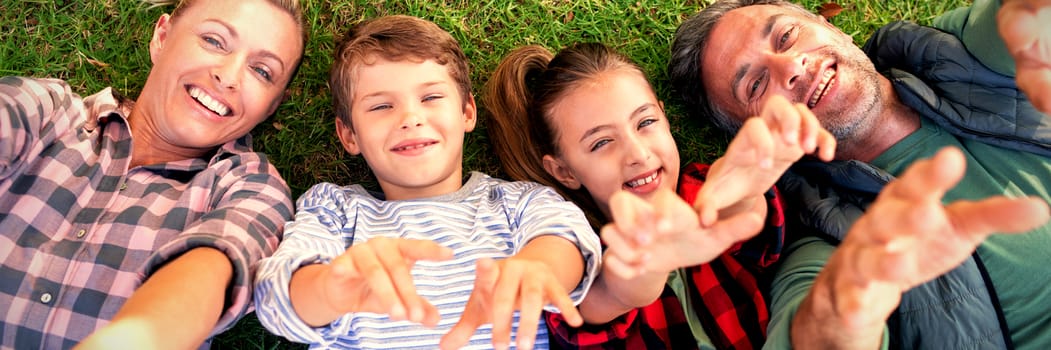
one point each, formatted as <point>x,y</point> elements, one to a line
<point>664,233</point>
<point>759,154</point>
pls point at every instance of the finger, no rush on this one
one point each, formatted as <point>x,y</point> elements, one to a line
<point>389,253</point>
<point>754,144</point>
<point>561,300</point>
<point>618,245</point>
<point>674,214</point>
<point>826,145</point>
<point>418,249</point>
<point>462,331</point>
<point>619,268</point>
<point>1036,84</point>
<point>487,273</point>
<point>998,215</point>
<point>431,315</point>
<point>783,117</point>
<point>929,179</point>
<point>379,281</point>
<point>1019,25</point>
<point>532,303</point>
<point>809,128</point>
<point>343,267</point>
<point>505,299</point>
<point>632,216</point>
<point>734,229</point>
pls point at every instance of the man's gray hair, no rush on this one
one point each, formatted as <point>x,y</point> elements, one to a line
<point>689,43</point>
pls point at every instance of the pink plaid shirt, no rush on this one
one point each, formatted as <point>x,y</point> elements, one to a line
<point>80,231</point>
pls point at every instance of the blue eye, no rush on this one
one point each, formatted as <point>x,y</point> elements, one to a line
<point>599,144</point>
<point>263,73</point>
<point>212,41</point>
<point>647,122</point>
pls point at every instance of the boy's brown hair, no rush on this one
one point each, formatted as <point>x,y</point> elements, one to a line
<point>393,38</point>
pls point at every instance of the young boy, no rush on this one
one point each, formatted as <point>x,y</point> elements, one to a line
<point>414,266</point>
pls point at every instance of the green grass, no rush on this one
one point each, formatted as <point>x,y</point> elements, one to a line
<point>99,43</point>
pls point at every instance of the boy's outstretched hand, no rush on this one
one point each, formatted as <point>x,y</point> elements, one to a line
<point>664,234</point>
<point>374,276</point>
<point>1023,26</point>
<point>500,288</point>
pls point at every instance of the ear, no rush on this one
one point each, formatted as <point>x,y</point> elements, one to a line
<point>470,113</point>
<point>160,34</point>
<point>557,169</point>
<point>346,137</point>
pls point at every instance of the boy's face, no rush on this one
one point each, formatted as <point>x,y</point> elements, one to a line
<point>409,122</point>
<point>219,69</point>
<point>613,136</point>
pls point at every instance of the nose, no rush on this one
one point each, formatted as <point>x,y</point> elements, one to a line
<point>637,151</point>
<point>227,74</point>
<point>786,69</point>
<point>411,117</point>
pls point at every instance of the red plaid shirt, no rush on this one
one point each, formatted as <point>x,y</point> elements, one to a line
<point>726,293</point>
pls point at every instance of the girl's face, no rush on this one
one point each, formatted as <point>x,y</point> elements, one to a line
<point>612,135</point>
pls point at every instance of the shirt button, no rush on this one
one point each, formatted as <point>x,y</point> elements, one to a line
<point>80,234</point>
<point>45,298</point>
<point>123,186</point>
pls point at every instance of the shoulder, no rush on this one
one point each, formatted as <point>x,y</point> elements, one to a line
<point>516,190</point>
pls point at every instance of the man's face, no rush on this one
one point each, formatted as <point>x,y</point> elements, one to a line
<point>759,51</point>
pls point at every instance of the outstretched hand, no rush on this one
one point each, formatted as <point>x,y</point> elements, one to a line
<point>907,237</point>
<point>759,154</point>
<point>665,233</point>
<point>374,276</point>
<point>500,288</point>
<point>1023,26</point>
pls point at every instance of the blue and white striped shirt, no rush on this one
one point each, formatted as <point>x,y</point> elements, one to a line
<point>487,217</point>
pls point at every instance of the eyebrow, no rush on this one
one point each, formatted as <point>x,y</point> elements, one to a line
<point>233,34</point>
<point>596,129</point>
<point>768,28</point>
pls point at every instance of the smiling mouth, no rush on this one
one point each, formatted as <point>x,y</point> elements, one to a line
<point>413,146</point>
<point>208,102</point>
<point>642,181</point>
<point>827,78</point>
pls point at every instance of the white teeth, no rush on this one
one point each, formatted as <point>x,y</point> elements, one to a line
<point>822,88</point>
<point>208,101</point>
<point>412,147</point>
<point>642,181</point>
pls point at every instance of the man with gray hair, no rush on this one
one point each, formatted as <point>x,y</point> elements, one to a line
<point>939,277</point>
